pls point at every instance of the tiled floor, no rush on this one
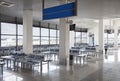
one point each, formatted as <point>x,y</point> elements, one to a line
<point>105,68</point>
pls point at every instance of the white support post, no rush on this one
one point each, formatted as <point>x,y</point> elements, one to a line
<point>115,34</point>
<point>27,32</point>
<point>64,42</point>
<point>101,35</point>
<point>72,39</point>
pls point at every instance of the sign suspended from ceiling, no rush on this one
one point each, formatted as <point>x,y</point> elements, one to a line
<point>61,11</point>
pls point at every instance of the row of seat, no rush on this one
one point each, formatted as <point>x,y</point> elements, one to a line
<point>25,60</point>
<point>36,49</point>
<point>35,57</point>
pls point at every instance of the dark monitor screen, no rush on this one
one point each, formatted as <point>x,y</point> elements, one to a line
<point>72,27</point>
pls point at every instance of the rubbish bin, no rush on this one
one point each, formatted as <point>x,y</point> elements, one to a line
<point>71,60</point>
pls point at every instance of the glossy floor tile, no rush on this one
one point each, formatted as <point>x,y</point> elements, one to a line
<point>102,68</point>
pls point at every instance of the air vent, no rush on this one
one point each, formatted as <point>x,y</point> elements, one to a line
<point>6,4</point>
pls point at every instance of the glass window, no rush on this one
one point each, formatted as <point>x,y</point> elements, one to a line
<point>8,28</point>
<point>58,40</point>
<point>84,37</point>
<point>111,39</point>
<point>44,40</point>
<point>81,37</point>
<point>84,40</point>
<point>20,40</point>
<point>36,31</point>
<point>53,40</point>
<point>105,38</point>
<point>20,29</point>
<point>119,39</point>
<point>78,35</point>
<point>44,32</point>
<point>8,40</point>
<point>84,34</point>
<point>52,33</point>
<point>36,40</point>
<point>58,33</point>
<point>58,36</point>
<point>118,57</point>
<point>77,40</point>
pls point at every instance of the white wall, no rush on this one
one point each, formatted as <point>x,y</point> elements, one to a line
<point>96,35</point>
<point>95,31</point>
<point>90,30</point>
<point>72,39</point>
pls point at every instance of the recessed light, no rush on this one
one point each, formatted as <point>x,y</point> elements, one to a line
<point>6,4</point>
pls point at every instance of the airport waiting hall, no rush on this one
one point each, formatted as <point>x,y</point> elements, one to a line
<point>81,42</point>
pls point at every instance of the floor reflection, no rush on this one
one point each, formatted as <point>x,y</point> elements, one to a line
<point>9,76</point>
<point>109,58</point>
<point>94,69</point>
<point>46,69</point>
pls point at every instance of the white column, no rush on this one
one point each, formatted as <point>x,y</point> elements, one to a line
<point>101,35</point>
<point>72,39</point>
<point>27,32</point>
<point>64,42</point>
<point>115,35</point>
<point>96,35</point>
<point>88,37</point>
<point>90,31</point>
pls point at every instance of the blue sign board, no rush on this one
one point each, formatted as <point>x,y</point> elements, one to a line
<point>61,11</point>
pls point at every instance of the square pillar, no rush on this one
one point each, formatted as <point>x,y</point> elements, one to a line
<point>115,37</point>
<point>27,32</point>
<point>64,42</point>
<point>115,34</point>
<point>101,35</point>
<point>72,39</point>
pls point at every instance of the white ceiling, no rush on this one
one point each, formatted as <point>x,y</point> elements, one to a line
<point>87,9</point>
